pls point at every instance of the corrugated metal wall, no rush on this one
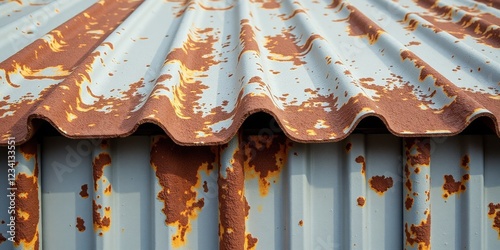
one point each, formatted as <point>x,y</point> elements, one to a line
<point>366,192</point>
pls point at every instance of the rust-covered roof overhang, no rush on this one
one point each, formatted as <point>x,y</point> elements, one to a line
<point>198,69</point>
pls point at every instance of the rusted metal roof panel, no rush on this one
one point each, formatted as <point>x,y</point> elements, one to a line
<point>366,192</point>
<point>198,68</point>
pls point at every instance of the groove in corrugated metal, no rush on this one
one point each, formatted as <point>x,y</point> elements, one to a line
<point>257,192</point>
<point>424,67</point>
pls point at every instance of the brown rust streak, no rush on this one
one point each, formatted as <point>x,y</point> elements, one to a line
<point>100,223</point>
<point>361,25</point>
<point>247,38</point>
<point>177,171</point>
<point>348,147</point>
<point>285,46</point>
<point>480,26</point>
<point>419,234</point>
<point>98,164</point>
<point>361,160</point>
<point>408,202</point>
<point>450,186</point>
<point>27,201</point>
<point>233,206</point>
<point>265,156</point>
<point>494,214</point>
<point>2,239</point>
<point>78,44</point>
<point>268,4</point>
<point>80,224</point>
<point>381,184</point>
<point>83,193</point>
<point>492,3</point>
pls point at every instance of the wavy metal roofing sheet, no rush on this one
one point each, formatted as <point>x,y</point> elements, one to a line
<point>198,68</point>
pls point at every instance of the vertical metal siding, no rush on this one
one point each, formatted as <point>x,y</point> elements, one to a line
<point>261,193</point>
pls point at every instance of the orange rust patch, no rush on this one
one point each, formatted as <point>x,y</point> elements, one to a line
<point>80,224</point>
<point>480,26</point>
<point>361,160</point>
<point>28,150</point>
<point>450,186</point>
<point>268,4</point>
<point>2,239</point>
<point>101,223</point>
<point>247,38</point>
<point>233,206</point>
<point>419,234</point>
<point>84,194</point>
<point>177,169</point>
<point>348,147</point>
<point>381,184</point>
<point>196,53</point>
<point>107,191</point>
<point>251,242</point>
<point>301,223</point>
<point>285,47</point>
<point>265,157</point>
<point>360,25</point>
<point>494,214</point>
<point>408,202</point>
<point>27,210</point>
<point>98,164</point>
<point>361,201</point>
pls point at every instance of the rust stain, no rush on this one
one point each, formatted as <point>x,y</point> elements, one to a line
<point>465,162</point>
<point>57,56</point>
<point>177,171</point>
<point>98,164</point>
<point>205,186</point>
<point>494,215</point>
<point>233,206</point>
<point>419,234</point>
<point>492,3</point>
<point>450,186</point>
<point>408,202</point>
<point>247,38</point>
<point>103,223</point>
<point>361,160</point>
<point>381,184</point>
<point>361,201</point>
<point>285,46</point>
<point>27,202</point>
<point>348,147</point>
<point>361,25</point>
<point>265,157</point>
<point>196,53</point>
<point>2,239</point>
<point>481,26</point>
<point>251,242</point>
<point>107,191</point>
<point>83,193</point>
<point>80,224</point>
<point>417,152</point>
<point>268,4</point>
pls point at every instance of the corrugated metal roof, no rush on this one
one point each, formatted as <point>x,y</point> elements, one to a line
<point>261,192</point>
<point>198,68</point>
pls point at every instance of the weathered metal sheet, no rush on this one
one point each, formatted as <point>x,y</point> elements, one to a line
<point>257,192</point>
<point>101,68</point>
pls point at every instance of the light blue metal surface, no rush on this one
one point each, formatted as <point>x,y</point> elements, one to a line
<point>347,195</point>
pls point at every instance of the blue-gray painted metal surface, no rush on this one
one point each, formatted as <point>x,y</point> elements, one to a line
<point>348,195</point>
